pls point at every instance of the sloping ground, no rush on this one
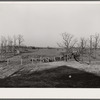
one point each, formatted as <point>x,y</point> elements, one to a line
<point>7,71</point>
<point>15,70</point>
<point>59,77</point>
<point>92,68</point>
<point>56,74</point>
<point>15,62</point>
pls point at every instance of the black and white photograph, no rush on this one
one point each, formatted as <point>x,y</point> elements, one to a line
<point>49,44</point>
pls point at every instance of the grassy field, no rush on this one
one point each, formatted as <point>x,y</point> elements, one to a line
<point>60,77</point>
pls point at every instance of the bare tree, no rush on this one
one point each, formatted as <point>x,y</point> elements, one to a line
<point>68,42</point>
<point>10,44</point>
<point>90,48</point>
<point>3,46</point>
<point>96,43</point>
<point>82,46</point>
<point>14,43</point>
<point>20,40</point>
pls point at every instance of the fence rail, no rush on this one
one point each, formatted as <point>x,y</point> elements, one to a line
<point>33,60</point>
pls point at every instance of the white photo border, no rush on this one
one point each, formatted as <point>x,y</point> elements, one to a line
<point>50,93</point>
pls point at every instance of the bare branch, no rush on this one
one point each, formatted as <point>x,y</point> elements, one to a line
<point>20,39</point>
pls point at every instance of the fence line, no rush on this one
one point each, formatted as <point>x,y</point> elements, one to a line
<point>33,60</point>
<point>40,59</point>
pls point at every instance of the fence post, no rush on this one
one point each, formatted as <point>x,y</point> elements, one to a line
<point>54,59</point>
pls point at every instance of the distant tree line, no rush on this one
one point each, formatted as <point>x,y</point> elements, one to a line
<point>88,45</point>
<point>9,44</point>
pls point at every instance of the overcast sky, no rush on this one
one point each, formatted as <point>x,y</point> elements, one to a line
<point>41,24</point>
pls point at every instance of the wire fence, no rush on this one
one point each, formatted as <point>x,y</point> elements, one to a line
<point>33,60</point>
